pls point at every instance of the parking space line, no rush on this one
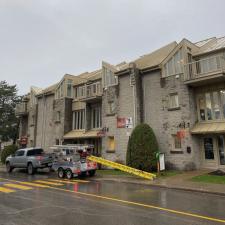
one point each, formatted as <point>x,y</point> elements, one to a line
<point>6,190</point>
<point>48,182</point>
<point>78,181</point>
<point>62,181</point>
<point>18,186</point>
<point>32,184</point>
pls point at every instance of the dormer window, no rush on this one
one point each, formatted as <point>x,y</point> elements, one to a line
<point>109,78</point>
<point>175,64</point>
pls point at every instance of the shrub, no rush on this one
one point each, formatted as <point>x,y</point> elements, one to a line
<point>8,150</point>
<point>142,148</point>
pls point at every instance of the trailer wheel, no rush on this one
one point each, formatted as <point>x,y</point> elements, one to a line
<point>91,173</point>
<point>61,173</point>
<point>69,174</point>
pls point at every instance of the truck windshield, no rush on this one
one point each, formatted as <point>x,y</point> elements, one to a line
<point>32,152</point>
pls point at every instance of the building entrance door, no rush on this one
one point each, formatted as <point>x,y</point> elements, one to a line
<point>220,141</point>
<point>208,148</point>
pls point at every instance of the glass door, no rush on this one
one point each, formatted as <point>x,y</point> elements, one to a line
<point>208,148</point>
<point>220,140</point>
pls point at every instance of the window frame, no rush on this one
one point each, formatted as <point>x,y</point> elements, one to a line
<point>79,119</point>
<point>220,101</point>
<point>96,117</point>
<point>173,107</point>
<point>109,78</point>
<point>175,138</point>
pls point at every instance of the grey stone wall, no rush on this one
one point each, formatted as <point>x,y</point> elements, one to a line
<point>50,128</point>
<point>166,123</point>
<point>45,122</point>
<point>123,96</point>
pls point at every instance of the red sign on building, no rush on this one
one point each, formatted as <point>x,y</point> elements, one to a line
<point>121,122</point>
<point>23,140</point>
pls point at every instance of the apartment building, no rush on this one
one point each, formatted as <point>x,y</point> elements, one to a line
<point>179,90</point>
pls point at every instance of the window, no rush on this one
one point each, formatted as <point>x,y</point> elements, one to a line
<point>112,107</point>
<point>222,95</point>
<point>111,143</point>
<point>58,116</point>
<point>96,117</point>
<point>79,119</point>
<point>208,147</point>
<point>69,88</point>
<point>79,92</point>
<point>19,153</point>
<point>201,102</point>
<point>173,101</point>
<point>57,141</point>
<point>175,64</point>
<point>32,120</point>
<point>211,105</point>
<point>109,78</point>
<point>35,152</point>
<point>61,89</point>
<point>208,106</point>
<point>177,142</point>
<point>216,105</point>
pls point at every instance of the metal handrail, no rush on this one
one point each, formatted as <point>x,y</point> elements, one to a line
<point>204,67</point>
<point>91,90</point>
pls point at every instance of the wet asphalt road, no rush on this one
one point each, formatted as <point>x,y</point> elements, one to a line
<point>82,203</point>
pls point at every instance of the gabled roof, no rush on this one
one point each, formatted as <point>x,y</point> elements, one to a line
<point>210,45</point>
<point>203,42</point>
<point>36,90</point>
<point>49,90</point>
<point>152,59</point>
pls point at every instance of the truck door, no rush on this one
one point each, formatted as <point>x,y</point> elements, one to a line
<point>20,159</point>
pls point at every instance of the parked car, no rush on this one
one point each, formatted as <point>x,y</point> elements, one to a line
<point>30,158</point>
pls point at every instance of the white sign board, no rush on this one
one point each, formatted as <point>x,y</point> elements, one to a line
<point>162,161</point>
<point>129,122</point>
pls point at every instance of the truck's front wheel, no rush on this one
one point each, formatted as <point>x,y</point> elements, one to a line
<point>69,174</point>
<point>9,168</point>
<point>30,169</point>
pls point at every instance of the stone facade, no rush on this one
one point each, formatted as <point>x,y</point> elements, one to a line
<point>143,91</point>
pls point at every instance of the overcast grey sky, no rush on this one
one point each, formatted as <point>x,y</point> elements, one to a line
<point>41,40</point>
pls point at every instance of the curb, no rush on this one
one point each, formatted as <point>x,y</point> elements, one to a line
<point>162,186</point>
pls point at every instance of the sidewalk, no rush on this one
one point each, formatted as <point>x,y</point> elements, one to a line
<point>180,182</point>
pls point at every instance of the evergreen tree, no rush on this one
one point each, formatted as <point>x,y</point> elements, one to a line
<point>142,148</point>
<point>9,124</point>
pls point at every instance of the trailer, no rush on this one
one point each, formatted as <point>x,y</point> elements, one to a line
<point>72,160</point>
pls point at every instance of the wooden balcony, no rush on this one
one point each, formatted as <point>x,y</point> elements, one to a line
<point>21,109</point>
<point>90,92</point>
<point>205,71</point>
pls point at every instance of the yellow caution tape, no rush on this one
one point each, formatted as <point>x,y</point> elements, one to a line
<point>121,167</point>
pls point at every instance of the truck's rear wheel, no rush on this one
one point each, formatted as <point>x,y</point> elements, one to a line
<point>9,168</point>
<point>30,169</point>
<point>61,173</point>
<point>69,174</point>
<point>91,173</point>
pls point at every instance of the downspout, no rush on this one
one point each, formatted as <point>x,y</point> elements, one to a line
<point>134,105</point>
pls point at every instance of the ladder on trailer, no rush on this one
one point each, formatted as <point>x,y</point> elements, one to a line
<point>121,167</point>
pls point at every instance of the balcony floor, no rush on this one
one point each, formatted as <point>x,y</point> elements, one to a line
<point>206,79</point>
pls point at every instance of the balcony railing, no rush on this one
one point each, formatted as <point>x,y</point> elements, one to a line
<point>204,68</point>
<point>21,109</point>
<point>89,91</point>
